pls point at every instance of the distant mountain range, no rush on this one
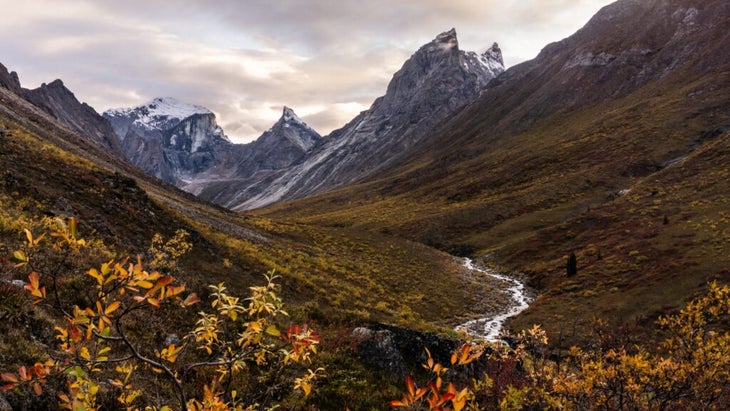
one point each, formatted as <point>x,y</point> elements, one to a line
<point>182,144</point>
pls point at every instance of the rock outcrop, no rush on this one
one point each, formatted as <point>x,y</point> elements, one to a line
<point>396,350</point>
<point>9,80</point>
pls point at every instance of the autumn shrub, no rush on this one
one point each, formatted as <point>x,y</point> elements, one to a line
<point>118,344</point>
<point>688,370</point>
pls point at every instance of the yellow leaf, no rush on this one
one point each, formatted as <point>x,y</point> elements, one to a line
<point>72,226</point>
<point>273,331</point>
<point>95,274</point>
<point>20,256</point>
<point>112,307</point>
<point>144,284</point>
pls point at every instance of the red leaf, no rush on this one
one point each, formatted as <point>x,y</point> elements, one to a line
<point>191,299</point>
<point>37,389</point>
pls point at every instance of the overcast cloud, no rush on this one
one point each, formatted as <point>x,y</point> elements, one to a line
<point>245,59</point>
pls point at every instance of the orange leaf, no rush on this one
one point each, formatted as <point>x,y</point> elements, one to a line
<point>99,308</point>
<point>164,280</point>
<point>154,302</point>
<point>74,333</point>
<point>34,279</point>
<point>8,377</point>
<point>112,307</point>
<point>23,372</point>
<point>175,290</point>
<point>411,386</point>
<point>397,403</point>
<point>37,389</point>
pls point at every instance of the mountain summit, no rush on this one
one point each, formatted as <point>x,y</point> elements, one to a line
<point>435,82</point>
<point>293,129</point>
<point>169,139</point>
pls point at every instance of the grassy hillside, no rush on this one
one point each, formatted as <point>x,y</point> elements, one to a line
<point>539,166</point>
<point>333,278</point>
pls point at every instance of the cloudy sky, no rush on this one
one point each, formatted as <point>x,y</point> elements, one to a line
<point>245,59</point>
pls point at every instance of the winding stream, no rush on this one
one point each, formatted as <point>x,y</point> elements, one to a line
<point>490,328</point>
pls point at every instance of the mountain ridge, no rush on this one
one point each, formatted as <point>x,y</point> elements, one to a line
<point>435,82</point>
<point>58,101</point>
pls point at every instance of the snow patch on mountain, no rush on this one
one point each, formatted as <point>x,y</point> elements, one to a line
<point>160,113</point>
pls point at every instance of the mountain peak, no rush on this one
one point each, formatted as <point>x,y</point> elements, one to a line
<point>57,83</point>
<point>294,129</point>
<point>290,116</point>
<point>446,40</point>
<point>9,80</point>
<point>494,53</point>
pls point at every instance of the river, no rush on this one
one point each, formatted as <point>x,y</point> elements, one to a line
<point>490,328</point>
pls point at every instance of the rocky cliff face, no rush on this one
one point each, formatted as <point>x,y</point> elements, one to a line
<point>287,142</point>
<point>435,82</point>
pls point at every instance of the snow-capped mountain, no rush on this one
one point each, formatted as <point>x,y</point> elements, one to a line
<point>169,139</point>
<point>159,114</point>
<point>182,144</point>
<point>434,83</point>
